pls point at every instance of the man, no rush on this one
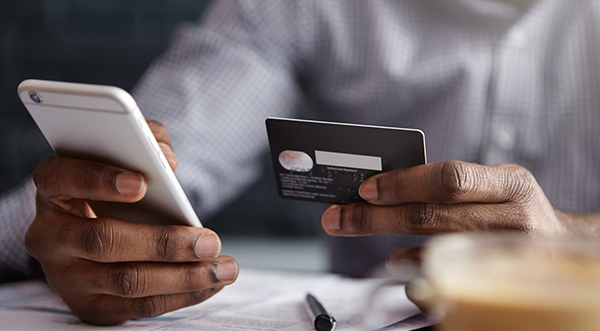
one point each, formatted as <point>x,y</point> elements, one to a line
<point>494,82</point>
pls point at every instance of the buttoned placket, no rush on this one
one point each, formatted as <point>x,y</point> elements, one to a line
<point>512,96</point>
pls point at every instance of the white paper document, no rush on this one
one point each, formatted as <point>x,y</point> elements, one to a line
<point>259,300</point>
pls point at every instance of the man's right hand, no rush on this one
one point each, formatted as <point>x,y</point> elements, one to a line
<point>109,271</point>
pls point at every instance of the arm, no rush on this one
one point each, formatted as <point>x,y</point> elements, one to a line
<point>215,87</point>
<point>17,213</point>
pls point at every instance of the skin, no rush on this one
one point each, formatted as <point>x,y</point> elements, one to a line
<point>110,271</point>
<point>454,196</point>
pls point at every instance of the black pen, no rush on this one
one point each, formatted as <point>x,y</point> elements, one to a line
<point>323,320</point>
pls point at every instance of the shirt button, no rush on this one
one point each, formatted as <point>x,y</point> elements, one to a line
<point>517,37</point>
<point>505,136</point>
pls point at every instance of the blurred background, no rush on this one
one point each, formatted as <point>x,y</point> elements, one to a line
<point>112,42</point>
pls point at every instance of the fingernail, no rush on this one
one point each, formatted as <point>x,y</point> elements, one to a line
<point>166,149</point>
<point>331,219</point>
<point>207,247</point>
<point>169,154</point>
<point>129,183</point>
<point>368,190</point>
<point>226,271</point>
<point>172,163</point>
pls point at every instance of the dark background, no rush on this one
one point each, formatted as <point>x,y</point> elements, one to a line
<point>109,42</point>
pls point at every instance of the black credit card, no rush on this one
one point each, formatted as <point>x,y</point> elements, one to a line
<point>327,162</point>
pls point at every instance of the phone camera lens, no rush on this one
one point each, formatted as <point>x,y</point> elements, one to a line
<point>35,97</point>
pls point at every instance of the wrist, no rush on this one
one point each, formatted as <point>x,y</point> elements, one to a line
<point>587,225</point>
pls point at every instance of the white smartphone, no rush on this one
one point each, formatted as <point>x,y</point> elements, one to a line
<point>104,123</point>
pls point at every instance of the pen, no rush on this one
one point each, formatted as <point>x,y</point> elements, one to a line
<point>323,320</point>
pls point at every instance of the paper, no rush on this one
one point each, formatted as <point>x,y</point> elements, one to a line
<point>259,300</point>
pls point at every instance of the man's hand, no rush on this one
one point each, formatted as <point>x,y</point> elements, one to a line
<point>448,196</point>
<point>109,271</point>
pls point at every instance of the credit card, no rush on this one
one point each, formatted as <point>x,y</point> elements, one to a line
<point>327,162</point>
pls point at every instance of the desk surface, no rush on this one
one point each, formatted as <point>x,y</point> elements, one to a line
<point>259,300</point>
<point>287,269</point>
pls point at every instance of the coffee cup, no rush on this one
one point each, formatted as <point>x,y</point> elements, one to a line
<point>500,282</point>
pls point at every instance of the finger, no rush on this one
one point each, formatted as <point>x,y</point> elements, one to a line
<point>404,257</point>
<point>77,207</point>
<point>143,279</point>
<point>164,141</point>
<point>64,178</point>
<point>405,265</point>
<point>109,240</point>
<point>448,182</point>
<point>420,292</point>
<point>423,218</point>
<point>116,310</point>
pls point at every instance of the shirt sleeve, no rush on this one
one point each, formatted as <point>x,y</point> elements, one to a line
<point>17,211</point>
<point>213,89</point>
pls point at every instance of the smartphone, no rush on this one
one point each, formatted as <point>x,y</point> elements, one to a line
<point>104,124</point>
